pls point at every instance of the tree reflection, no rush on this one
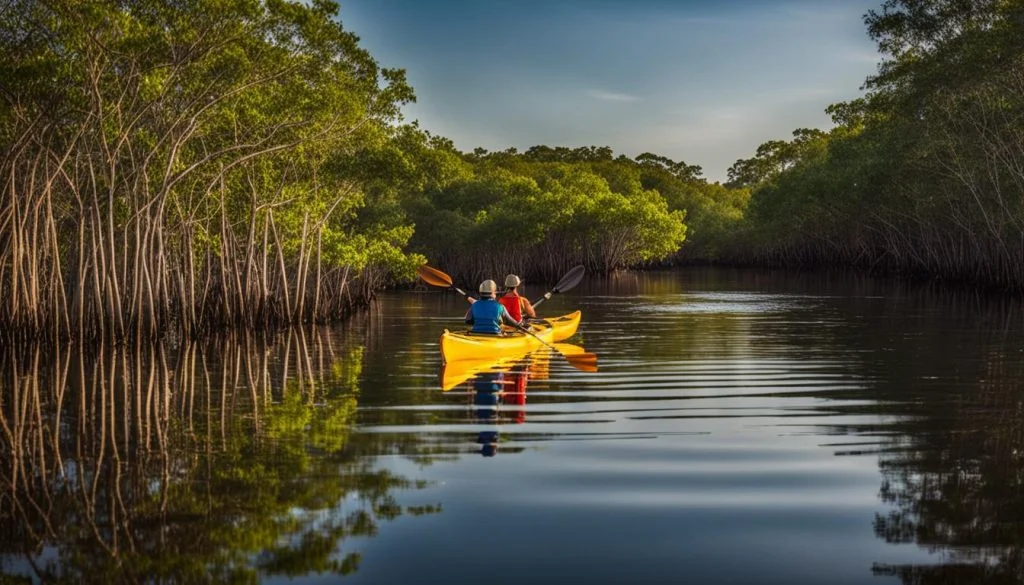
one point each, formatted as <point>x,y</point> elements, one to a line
<point>956,482</point>
<point>218,462</point>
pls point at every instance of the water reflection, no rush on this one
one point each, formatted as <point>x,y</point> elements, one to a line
<point>496,392</point>
<point>954,479</point>
<point>216,462</point>
<point>743,427</point>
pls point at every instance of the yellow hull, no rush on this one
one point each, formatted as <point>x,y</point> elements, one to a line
<point>564,326</point>
<point>459,346</point>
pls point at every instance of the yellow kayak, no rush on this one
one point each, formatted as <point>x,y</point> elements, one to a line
<point>460,345</point>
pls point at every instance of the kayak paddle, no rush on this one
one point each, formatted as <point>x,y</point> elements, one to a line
<point>435,277</point>
<point>571,279</point>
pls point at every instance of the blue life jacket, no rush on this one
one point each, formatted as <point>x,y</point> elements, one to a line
<point>486,316</point>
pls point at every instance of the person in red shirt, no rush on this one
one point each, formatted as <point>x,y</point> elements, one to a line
<point>516,305</point>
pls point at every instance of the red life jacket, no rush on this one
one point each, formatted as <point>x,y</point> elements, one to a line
<point>511,302</point>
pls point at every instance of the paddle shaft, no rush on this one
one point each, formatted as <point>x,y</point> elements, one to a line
<point>526,330</point>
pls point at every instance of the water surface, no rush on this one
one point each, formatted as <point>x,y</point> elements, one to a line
<point>743,427</point>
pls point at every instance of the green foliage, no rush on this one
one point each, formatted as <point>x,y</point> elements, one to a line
<point>922,175</point>
<point>548,208</point>
<point>776,156</point>
<point>680,170</point>
<point>199,140</point>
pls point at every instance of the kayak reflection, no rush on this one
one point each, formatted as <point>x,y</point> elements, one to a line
<point>496,389</point>
<point>454,374</point>
<point>500,396</point>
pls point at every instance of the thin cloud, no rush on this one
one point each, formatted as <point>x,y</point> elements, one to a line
<point>706,21</point>
<point>856,56</point>
<point>609,96</point>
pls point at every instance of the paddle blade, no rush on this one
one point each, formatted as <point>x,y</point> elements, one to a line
<point>433,276</point>
<point>571,279</point>
<point>586,362</point>
<point>577,357</point>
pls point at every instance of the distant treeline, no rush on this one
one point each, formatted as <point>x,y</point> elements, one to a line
<point>539,212</point>
<point>212,165</point>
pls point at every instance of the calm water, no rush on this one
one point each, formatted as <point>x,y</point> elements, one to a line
<point>743,427</point>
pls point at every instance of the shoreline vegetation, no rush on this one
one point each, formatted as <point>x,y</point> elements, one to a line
<point>181,170</point>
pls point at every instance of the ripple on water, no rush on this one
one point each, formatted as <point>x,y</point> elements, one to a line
<point>727,302</point>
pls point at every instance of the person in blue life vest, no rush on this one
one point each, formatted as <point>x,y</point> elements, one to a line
<point>486,314</point>
<point>517,306</point>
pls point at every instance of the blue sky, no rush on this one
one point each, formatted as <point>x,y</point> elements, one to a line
<point>695,80</point>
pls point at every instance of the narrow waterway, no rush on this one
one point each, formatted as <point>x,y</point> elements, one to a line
<point>743,427</point>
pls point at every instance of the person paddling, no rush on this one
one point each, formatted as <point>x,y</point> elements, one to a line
<point>486,314</point>
<point>516,305</point>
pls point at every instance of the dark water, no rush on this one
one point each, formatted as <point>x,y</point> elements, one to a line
<point>744,427</point>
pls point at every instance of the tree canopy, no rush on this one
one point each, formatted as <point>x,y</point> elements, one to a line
<point>924,174</point>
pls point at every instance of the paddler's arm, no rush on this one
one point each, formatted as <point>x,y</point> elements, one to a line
<point>508,320</point>
<point>469,315</point>
<point>527,308</point>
